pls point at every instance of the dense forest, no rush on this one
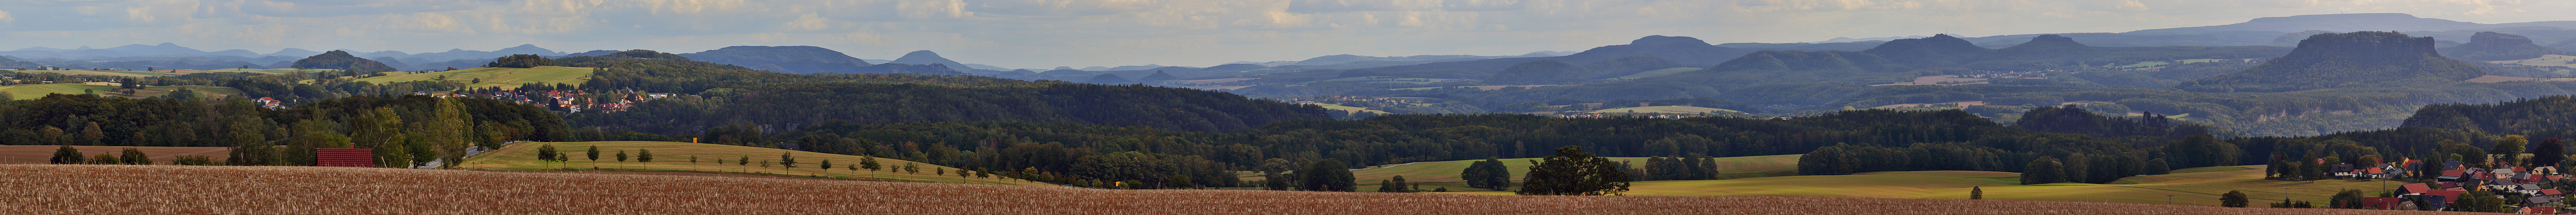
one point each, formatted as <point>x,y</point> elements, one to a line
<point>406,130</point>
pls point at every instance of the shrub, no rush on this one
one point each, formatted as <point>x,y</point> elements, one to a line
<point>135,156</point>
<point>104,158</point>
<point>66,155</point>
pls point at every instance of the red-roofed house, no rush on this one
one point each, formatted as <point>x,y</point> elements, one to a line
<point>2415,188</point>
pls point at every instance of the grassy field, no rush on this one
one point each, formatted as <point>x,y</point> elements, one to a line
<point>506,78</point>
<point>674,156</point>
<point>1664,109</point>
<point>2196,186</point>
<point>160,155</point>
<point>122,189</point>
<point>33,91</point>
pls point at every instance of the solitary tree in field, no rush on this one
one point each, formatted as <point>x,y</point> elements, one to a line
<point>744,160</point>
<point>546,152</point>
<point>868,162</point>
<point>1328,175</point>
<point>764,164</point>
<point>693,159</point>
<point>644,155</point>
<point>2233,199</point>
<point>135,156</point>
<point>67,155</point>
<point>594,153</point>
<point>851,167</point>
<point>1489,174</point>
<point>621,155</point>
<point>1574,172</point>
<point>827,164</point>
<point>1978,192</point>
<point>786,159</point>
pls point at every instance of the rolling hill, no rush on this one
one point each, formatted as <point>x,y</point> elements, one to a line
<point>124,189</point>
<point>676,156</point>
<point>505,78</point>
<point>1447,171</point>
<point>2195,186</point>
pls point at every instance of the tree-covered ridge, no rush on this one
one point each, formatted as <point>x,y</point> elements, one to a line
<point>652,71</point>
<point>2343,60</point>
<point>2527,116</point>
<point>816,103</point>
<point>1940,50</point>
<point>341,60</point>
<point>405,130</point>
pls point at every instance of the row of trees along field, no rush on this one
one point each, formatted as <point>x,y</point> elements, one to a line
<point>403,130</point>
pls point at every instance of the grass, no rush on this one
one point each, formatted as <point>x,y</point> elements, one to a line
<point>160,189</point>
<point>1664,109</point>
<point>33,91</point>
<point>674,156</point>
<point>1447,171</point>
<point>159,155</point>
<point>506,78</point>
<point>2194,186</point>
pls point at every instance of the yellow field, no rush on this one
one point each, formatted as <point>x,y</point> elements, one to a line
<point>2545,60</point>
<point>674,156</point>
<point>33,91</point>
<point>162,189</point>
<point>2196,188</point>
<point>506,78</point>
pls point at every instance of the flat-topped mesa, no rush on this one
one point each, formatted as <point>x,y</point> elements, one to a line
<point>2365,46</point>
<point>2498,46</point>
<point>2335,60</point>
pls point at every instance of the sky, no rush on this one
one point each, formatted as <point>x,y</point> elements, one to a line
<point>1079,33</point>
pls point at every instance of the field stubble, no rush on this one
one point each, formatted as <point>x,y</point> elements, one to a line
<point>119,189</point>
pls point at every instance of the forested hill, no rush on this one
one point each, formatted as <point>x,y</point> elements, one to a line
<point>744,98</point>
<point>781,107</point>
<point>2552,116</point>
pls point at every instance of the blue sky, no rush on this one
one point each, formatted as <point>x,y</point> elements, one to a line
<point>1049,33</point>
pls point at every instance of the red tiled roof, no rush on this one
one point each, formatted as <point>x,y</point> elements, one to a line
<point>2417,188</point>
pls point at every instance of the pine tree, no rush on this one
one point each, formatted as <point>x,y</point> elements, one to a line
<point>1574,172</point>
<point>2233,199</point>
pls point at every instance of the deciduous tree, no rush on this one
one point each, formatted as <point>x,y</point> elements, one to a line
<point>1574,172</point>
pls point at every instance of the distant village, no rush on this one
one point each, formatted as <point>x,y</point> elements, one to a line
<point>563,100</point>
<point>2526,190</point>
